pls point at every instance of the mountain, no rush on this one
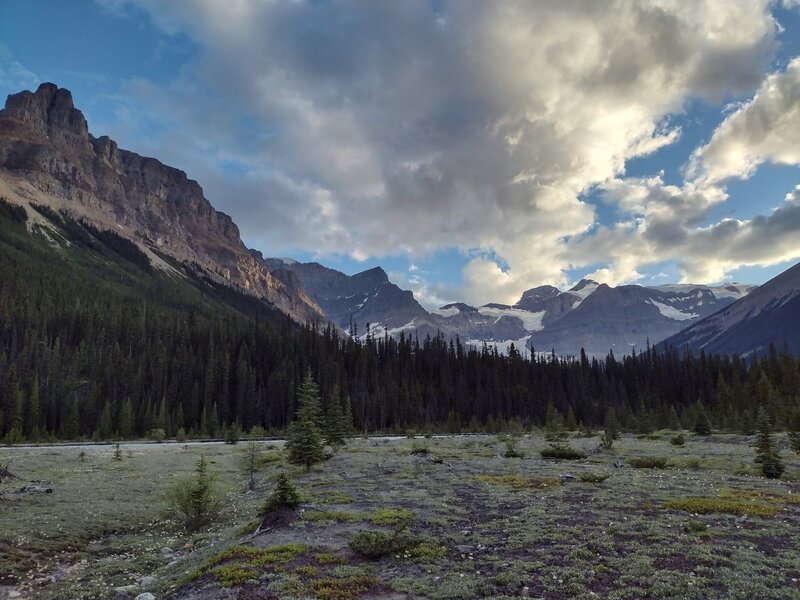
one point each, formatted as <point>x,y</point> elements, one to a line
<point>770,314</point>
<point>595,317</point>
<point>366,297</point>
<point>48,159</point>
<point>626,317</point>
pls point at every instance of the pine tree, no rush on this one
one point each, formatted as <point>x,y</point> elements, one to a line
<point>554,425</point>
<point>674,422</point>
<point>611,425</point>
<point>793,432</point>
<point>71,427</point>
<point>125,426</point>
<point>34,411</point>
<point>285,495</point>
<point>196,500</point>
<point>304,439</point>
<point>702,424</point>
<point>104,429</point>
<point>335,426</point>
<point>766,452</point>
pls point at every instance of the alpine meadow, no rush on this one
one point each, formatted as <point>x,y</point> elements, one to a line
<point>400,300</point>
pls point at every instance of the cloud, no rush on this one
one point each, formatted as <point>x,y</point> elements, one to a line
<point>766,129</point>
<point>13,75</point>
<point>407,127</point>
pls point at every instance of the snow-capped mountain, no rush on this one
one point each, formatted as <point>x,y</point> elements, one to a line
<point>361,299</point>
<point>770,314</point>
<point>592,316</point>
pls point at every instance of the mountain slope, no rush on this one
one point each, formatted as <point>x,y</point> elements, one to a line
<point>366,297</point>
<point>770,314</point>
<point>49,158</point>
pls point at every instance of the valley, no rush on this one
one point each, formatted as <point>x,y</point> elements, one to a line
<point>487,526</point>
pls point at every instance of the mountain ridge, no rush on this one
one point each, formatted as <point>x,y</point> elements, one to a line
<point>768,315</point>
<point>48,157</point>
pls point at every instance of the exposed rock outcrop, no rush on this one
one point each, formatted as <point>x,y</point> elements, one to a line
<point>48,156</point>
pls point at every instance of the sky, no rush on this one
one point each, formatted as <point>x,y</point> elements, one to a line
<point>472,149</point>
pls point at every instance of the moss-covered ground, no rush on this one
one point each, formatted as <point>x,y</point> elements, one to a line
<point>465,523</point>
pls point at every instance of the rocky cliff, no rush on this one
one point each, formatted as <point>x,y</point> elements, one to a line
<point>48,156</point>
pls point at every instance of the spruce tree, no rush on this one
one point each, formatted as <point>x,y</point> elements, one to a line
<point>766,452</point>
<point>104,428</point>
<point>702,424</point>
<point>126,420</point>
<point>335,426</point>
<point>793,433</point>
<point>304,440</point>
<point>285,495</point>
<point>196,499</point>
<point>611,425</point>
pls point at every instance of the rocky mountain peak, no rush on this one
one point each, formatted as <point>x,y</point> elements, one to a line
<point>460,306</point>
<point>48,156</point>
<point>372,277</point>
<point>583,283</point>
<point>50,111</point>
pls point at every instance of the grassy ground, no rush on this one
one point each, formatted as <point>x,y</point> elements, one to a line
<point>478,525</point>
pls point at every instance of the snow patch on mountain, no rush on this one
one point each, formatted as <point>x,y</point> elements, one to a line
<point>671,312</point>
<point>531,321</point>
<point>727,290</point>
<point>450,311</point>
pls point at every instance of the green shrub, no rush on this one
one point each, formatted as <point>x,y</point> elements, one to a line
<point>392,517</point>
<point>233,434</point>
<point>326,558</point>
<point>794,440</point>
<point>677,440</point>
<point>512,451</point>
<point>593,477</point>
<point>695,527</point>
<point>349,588</point>
<point>378,544</point>
<point>519,482</point>
<point>562,453</point>
<point>195,499</point>
<point>427,551</point>
<point>420,450</point>
<point>233,575</point>
<point>649,462</point>
<point>733,506</point>
<point>285,495</point>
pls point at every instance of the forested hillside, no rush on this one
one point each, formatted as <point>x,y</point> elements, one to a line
<point>94,342</point>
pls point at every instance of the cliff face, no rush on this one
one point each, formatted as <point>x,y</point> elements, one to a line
<point>48,156</point>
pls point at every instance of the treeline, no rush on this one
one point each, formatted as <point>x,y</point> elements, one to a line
<point>93,344</point>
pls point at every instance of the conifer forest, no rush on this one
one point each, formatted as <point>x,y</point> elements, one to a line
<point>97,344</point>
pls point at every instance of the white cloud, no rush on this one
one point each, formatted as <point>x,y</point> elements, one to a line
<point>378,128</point>
<point>13,75</point>
<point>766,129</point>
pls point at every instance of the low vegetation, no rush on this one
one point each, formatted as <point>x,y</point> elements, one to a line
<point>376,520</point>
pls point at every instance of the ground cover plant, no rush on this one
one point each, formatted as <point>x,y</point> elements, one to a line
<point>378,521</point>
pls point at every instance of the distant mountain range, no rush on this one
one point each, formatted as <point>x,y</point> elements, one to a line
<point>592,316</point>
<point>769,315</point>
<point>50,162</point>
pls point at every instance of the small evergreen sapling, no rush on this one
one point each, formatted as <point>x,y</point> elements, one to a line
<point>702,424</point>
<point>793,433</point>
<point>195,499</point>
<point>766,452</point>
<point>304,440</point>
<point>336,423</point>
<point>285,495</point>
